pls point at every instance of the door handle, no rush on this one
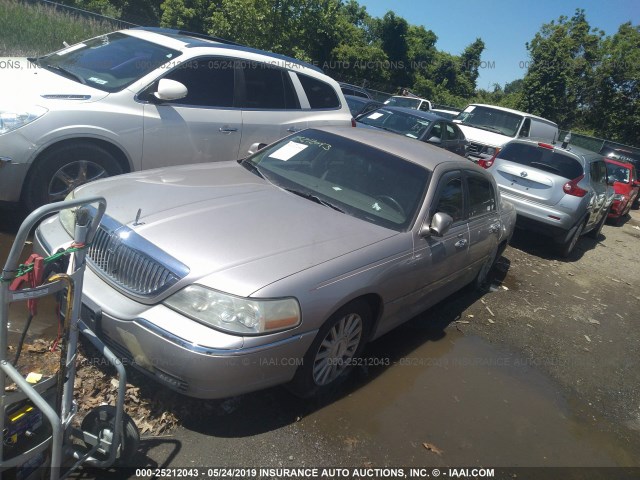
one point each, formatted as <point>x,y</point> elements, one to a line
<point>461,243</point>
<point>495,227</point>
<point>227,130</point>
<point>293,129</point>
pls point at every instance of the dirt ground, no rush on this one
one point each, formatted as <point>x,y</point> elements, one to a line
<point>542,370</point>
<point>578,320</point>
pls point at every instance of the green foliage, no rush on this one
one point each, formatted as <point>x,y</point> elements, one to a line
<point>38,29</point>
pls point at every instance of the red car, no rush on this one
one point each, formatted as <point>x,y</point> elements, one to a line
<point>623,177</point>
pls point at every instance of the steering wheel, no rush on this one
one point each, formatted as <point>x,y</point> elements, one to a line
<point>392,202</point>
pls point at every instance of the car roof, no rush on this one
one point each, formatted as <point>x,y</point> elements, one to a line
<point>619,163</point>
<point>510,110</point>
<point>193,40</point>
<point>414,151</point>
<point>412,111</point>
<point>359,99</point>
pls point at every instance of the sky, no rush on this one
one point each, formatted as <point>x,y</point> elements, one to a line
<point>505,26</point>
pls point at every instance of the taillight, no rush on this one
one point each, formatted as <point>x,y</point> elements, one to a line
<point>545,145</point>
<point>572,188</point>
<point>353,122</point>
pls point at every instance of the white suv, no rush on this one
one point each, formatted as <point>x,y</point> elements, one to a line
<point>145,98</point>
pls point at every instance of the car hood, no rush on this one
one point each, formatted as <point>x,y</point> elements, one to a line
<point>484,137</point>
<point>235,231</point>
<point>26,84</point>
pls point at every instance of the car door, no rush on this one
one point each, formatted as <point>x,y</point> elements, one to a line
<point>484,219</point>
<point>441,262</point>
<point>204,126</point>
<point>454,140</point>
<point>270,105</point>
<point>598,181</point>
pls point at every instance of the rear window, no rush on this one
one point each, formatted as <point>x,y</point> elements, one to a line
<point>551,161</point>
<point>319,93</point>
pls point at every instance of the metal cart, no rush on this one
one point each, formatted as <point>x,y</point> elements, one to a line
<point>36,418</point>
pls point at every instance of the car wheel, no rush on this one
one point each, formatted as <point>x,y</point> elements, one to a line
<point>101,422</point>
<point>595,233</point>
<point>567,247</point>
<point>62,169</point>
<point>331,355</point>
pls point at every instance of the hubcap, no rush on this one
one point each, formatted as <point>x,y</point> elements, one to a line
<point>337,349</point>
<point>73,175</point>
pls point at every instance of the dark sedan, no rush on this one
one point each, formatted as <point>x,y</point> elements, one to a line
<point>361,105</point>
<point>423,126</point>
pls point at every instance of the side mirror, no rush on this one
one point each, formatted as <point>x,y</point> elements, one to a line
<point>435,140</point>
<point>256,147</point>
<point>170,90</point>
<point>440,225</point>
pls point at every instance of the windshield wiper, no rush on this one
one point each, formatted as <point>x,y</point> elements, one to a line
<point>63,71</point>
<point>314,198</point>
<point>251,167</point>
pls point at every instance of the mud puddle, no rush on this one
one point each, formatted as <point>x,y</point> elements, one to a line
<point>459,400</point>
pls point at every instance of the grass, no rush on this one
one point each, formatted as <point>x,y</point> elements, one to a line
<point>38,29</point>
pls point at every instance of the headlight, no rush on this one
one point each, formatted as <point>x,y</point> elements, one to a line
<point>12,118</point>
<point>619,197</point>
<point>491,151</point>
<point>235,314</point>
<point>68,216</point>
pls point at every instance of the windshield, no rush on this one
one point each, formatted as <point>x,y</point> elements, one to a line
<point>616,173</point>
<point>398,122</point>
<point>110,62</point>
<point>346,175</point>
<point>407,102</point>
<point>491,119</point>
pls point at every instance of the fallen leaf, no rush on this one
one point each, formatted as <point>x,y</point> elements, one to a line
<point>432,448</point>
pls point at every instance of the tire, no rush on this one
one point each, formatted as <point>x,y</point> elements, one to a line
<point>330,357</point>
<point>58,171</point>
<point>481,280</point>
<point>567,247</point>
<point>595,233</point>
<point>100,421</point>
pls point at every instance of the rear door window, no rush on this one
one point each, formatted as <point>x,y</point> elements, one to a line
<point>482,198</point>
<point>545,159</point>
<point>319,93</point>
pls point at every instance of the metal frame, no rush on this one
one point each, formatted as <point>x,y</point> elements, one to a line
<point>59,416</point>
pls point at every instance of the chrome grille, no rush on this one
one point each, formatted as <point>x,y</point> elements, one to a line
<point>131,263</point>
<point>474,148</point>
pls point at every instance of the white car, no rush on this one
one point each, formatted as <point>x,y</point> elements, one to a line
<point>414,102</point>
<point>146,98</point>
<point>488,128</point>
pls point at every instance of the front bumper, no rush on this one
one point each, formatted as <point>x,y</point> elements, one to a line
<point>178,352</point>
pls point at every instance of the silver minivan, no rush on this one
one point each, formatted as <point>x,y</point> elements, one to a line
<point>558,190</point>
<point>145,98</point>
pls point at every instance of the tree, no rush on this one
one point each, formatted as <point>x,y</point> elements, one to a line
<point>558,82</point>
<point>615,102</point>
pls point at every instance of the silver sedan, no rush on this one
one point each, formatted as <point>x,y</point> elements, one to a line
<point>230,277</point>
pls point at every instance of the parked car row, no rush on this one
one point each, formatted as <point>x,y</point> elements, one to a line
<point>322,238</point>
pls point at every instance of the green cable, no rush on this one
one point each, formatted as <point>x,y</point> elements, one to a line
<point>24,269</point>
